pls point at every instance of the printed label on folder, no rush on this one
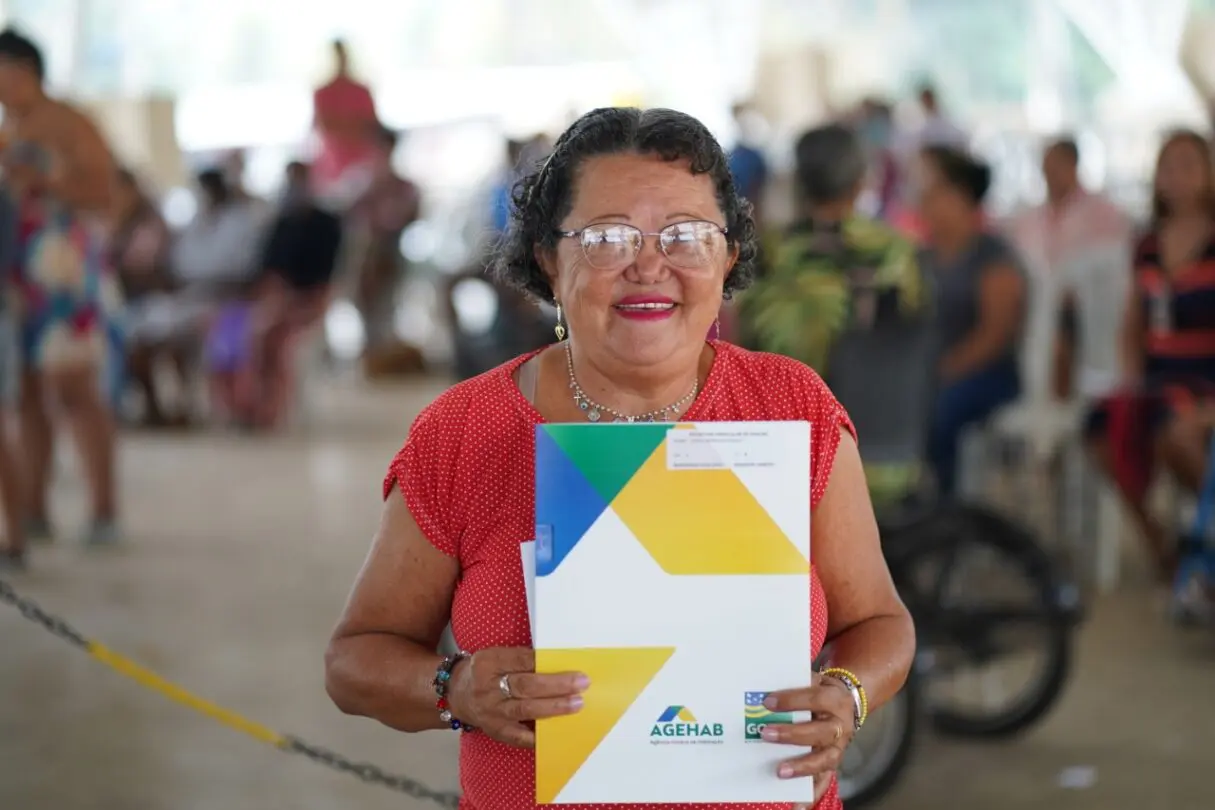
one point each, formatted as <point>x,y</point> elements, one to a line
<point>709,448</point>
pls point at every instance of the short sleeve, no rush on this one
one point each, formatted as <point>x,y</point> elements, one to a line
<point>423,471</point>
<point>826,417</point>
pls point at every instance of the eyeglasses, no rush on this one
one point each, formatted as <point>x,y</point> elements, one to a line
<point>689,245</point>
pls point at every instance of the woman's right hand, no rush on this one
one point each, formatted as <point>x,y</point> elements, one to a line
<point>498,691</point>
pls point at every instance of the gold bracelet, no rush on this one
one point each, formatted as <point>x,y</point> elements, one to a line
<point>853,685</point>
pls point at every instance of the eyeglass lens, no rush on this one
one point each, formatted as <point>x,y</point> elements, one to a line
<point>685,244</point>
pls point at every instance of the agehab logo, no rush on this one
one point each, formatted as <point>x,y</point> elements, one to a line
<point>756,715</point>
<point>678,726</point>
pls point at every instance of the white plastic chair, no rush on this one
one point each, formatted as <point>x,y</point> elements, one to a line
<point>1099,280</point>
<point>1036,425</point>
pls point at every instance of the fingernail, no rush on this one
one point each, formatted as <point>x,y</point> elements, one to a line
<point>581,683</point>
<point>769,703</point>
<point>768,733</point>
<point>784,771</point>
<point>575,703</point>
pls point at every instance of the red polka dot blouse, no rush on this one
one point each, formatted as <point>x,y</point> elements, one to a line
<point>466,472</point>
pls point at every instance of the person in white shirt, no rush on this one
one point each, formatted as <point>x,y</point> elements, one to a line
<point>1077,245</point>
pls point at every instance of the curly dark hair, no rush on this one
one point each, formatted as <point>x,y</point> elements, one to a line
<point>544,197</point>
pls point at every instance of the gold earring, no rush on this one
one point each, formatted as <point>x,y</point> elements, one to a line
<point>559,329</point>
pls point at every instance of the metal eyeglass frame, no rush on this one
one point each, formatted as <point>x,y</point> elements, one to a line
<point>724,231</point>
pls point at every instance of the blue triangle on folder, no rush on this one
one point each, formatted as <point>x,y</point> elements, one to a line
<point>566,504</point>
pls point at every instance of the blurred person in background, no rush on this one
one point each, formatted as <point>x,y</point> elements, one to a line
<point>750,171</point>
<point>139,249</point>
<point>374,225</point>
<point>980,303</point>
<point>535,151</point>
<point>1167,406</point>
<point>1072,230</point>
<point>233,165</point>
<point>748,165</point>
<point>12,549</point>
<point>832,270</point>
<point>215,261</point>
<point>62,173</point>
<point>875,127</point>
<point>499,195</point>
<point>521,157</point>
<point>297,268</point>
<point>345,120</point>
<point>634,228</point>
<point>518,324</point>
<point>216,253</point>
<point>935,128</point>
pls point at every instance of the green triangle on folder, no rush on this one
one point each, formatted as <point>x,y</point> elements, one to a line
<point>608,455</point>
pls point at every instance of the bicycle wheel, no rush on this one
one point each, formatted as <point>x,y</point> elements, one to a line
<point>967,621</point>
<point>880,751</point>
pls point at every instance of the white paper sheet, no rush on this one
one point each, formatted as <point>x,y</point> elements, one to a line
<point>527,555</point>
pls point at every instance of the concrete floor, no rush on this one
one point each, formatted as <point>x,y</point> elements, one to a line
<point>240,556</point>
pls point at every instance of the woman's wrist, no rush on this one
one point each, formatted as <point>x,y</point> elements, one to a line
<point>446,684</point>
<point>852,684</point>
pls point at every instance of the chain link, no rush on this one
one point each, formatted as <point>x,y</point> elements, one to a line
<point>372,774</point>
<point>368,773</point>
<point>37,615</point>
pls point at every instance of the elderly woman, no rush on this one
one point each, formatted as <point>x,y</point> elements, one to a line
<point>634,230</point>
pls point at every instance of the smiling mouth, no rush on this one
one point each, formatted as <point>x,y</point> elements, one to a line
<point>648,307</point>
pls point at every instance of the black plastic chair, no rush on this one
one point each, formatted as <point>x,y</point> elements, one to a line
<point>885,377</point>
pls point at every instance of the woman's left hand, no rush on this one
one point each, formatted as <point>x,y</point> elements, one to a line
<point>828,734</point>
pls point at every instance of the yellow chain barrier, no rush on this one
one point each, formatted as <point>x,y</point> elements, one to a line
<point>233,720</point>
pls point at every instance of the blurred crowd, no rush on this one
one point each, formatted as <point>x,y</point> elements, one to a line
<point>113,316</point>
<point>1073,305</point>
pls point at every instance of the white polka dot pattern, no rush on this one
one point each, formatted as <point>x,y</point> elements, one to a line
<point>466,472</point>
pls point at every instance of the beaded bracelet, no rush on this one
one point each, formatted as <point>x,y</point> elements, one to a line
<point>853,685</point>
<point>441,679</point>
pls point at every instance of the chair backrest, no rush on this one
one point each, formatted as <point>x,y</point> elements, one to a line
<point>885,377</point>
<point>1100,281</point>
<point>1043,296</point>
